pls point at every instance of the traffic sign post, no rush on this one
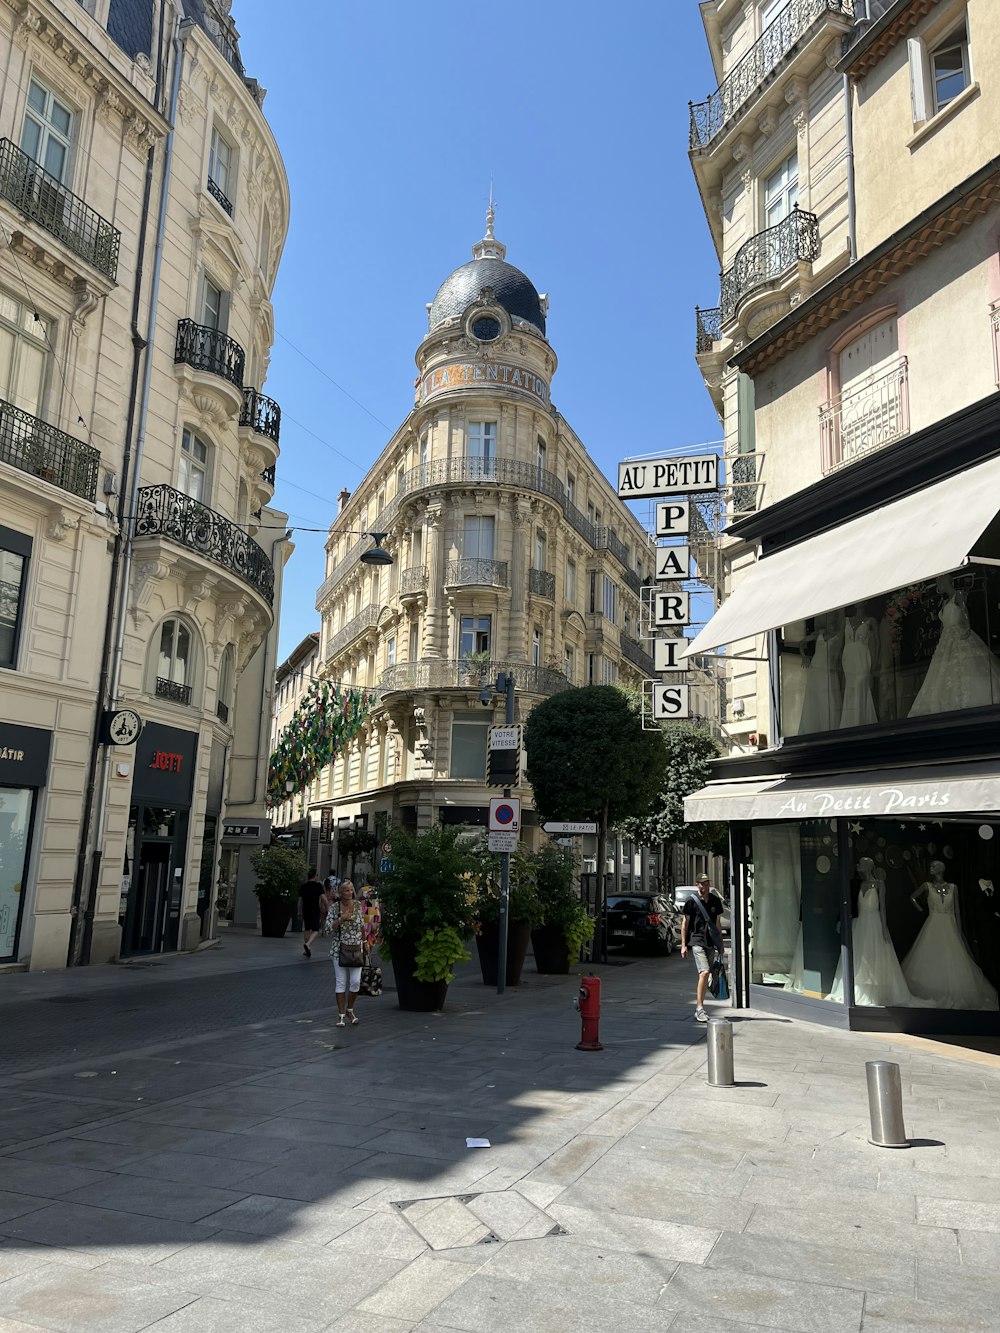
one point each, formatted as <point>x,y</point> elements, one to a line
<point>505,814</point>
<point>501,842</point>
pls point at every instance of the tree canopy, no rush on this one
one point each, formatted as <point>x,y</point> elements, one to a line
<point>688,749</point>
<point>587,753</point>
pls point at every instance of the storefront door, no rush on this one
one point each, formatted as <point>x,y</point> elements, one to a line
<point>147,926</point>
<point>24,764</point>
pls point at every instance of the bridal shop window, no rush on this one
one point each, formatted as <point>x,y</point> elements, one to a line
<point>927,649</point>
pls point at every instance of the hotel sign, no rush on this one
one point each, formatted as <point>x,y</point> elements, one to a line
<point>483,375</point>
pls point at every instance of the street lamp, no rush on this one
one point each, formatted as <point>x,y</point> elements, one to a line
<point>377,555</point>
<point>505,685</point>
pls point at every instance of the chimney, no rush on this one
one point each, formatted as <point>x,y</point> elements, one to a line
<point>342,500</point>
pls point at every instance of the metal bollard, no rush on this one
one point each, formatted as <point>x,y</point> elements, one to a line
<point>720,1053</point>
<point>885,1104</point>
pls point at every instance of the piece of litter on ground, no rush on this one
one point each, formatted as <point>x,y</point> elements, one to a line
<point>477,1143</point>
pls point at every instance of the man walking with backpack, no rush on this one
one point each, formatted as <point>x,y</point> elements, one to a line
<point>701,934</point>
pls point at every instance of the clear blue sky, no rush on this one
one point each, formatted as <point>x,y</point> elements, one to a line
<point>391,116</point>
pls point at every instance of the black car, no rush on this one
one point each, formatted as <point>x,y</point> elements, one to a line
<point>646,919</point>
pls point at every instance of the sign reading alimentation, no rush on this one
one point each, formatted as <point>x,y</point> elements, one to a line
<point>658,477</point>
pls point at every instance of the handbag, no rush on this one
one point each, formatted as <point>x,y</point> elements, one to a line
<point>371,977</point>
<point>350,955</point>
<point>718,982</point>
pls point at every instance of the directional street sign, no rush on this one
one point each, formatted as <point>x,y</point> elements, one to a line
<point>570,826</point>
<point>501,842</point>
<point>505,814</point>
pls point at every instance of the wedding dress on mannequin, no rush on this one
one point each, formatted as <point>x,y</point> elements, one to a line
<point>860,640</point>
<point>940,966</point>
<point>878,977</point>
<point>776,892</point>
<point>963,673</point>
<point>821,700</point>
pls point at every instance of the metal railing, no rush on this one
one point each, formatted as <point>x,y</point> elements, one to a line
<point>744,81</point>
<point>867,417</point>
<point>707,328</point>
<point>607,540</point>
<point>162,511</point>
<point>474,571</point>
<point>447,674</point>
<point>35,447</point>
<point>767,256</point>
<point>742,482</point>
<point>44,199</point>
<point>228,45</point>
<point>413,580</point>
<point>261,414</point>
<point>219,197</point>
<point>633,652</point>
<point>354,629</point>
<point>580,523</point>
<point>542,583</point>
<point>204,348</point>
<point>268,475</point>
<point>172,690</point>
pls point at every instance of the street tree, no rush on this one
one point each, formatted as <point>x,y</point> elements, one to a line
<point>588,757</point>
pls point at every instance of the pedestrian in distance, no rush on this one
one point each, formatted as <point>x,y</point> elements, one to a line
<point>701,934</point>
<point>328,898</point>
<point>345,925</point>
<point>309,910</point>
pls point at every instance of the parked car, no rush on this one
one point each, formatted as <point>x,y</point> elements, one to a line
<point>643,919</point>
<point>682,892</point>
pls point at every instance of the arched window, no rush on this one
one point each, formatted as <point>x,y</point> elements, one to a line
<point>175,662</point>
<point>224,701</point>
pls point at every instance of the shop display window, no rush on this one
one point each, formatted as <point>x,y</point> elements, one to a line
<point>919,651</point>
<point>920,896</point>
<point>16,805</point>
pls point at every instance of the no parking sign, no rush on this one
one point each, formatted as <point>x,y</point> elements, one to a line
<point>505,814</point>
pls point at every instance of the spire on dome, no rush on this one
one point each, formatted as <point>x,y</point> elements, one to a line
<point>489,247</point>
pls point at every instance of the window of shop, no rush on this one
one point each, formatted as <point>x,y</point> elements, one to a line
<point>16,809</point>
<point>916,652</point>
<point>15,550</point>
<point>468,746</point>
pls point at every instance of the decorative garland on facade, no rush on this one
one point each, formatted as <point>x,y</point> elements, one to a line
<point>322,727</point>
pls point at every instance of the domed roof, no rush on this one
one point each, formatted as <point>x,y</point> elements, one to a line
<point>513,290</point>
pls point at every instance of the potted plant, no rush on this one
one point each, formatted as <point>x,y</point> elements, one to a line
<point>565,925</point>
<point>426,912</point>
<point>523,912</point>
<point>281,872</point>
<point>475,666</point>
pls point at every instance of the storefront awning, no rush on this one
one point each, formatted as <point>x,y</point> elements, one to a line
<point>905,542</point>
<point>940,792</point>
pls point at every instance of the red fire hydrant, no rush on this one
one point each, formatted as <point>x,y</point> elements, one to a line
<point>589,1004</point>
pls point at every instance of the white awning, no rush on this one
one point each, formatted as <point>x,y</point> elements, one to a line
<point>905,542</point>
<point>935,792</point>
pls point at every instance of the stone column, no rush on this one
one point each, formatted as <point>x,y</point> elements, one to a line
<point>517,650</point>
<point>435,619</point>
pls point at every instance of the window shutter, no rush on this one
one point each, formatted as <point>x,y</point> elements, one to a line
<point>918,81</point>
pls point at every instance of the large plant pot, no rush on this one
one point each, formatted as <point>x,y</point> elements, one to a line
<point>488,944</point>
<point>548,943</point>
<point>416,997</point>
<point>275,914</point>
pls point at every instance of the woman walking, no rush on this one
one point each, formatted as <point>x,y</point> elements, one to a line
<point>347,950</point>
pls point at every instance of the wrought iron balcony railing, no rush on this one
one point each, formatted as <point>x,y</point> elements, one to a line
<point>867,417</point>
<point>219,197</point>
<point>354,629</point>
<point>162,511</point>
<point>767,256</point>
<point>441,674</point>
<point>413,580</point>
<point>707,328</point>
<point>542,583</point>
<point>172,690</point>
<point>228,45</point>
<point>743,482</point>
<point>607,540</point>
<point>35,447</point>
<point>211,350</point>
<point>46,201</point>
<point>474,571</point>
<point>261,414</point>
<point>744,81</point>
<point>579,522</point>
<point>268,475</point>
<point>633,652</point>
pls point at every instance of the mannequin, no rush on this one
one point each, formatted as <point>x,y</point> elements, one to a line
<point>860,652</point>
<point>940,966</point>
<point>878,978</point>
<point>777,890</point>
<point>963,673</point>
<point>822,700</point>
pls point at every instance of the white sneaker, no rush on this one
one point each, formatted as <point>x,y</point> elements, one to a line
<point>700,1016</point>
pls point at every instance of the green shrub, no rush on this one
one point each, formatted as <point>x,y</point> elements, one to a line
<point>280,871</point>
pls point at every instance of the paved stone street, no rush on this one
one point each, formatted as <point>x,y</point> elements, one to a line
<point>192,1146</point>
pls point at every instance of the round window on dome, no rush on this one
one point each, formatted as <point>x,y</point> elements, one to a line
<point>486,329</point>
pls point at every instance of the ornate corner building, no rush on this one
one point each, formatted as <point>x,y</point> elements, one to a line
<point>143,206</point>
<point>511,553</point>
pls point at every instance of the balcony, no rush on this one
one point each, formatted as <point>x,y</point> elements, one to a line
<point>269,475</point>
<point>446,675</point>
<point>35,447</point>
<point>353,630</point>
<point>261,414</point>
<point>767,257</point>
<point>475,572</point>
<point>707,328</point>
<point>633,652</point>
<point>44,200</point>
<point>413,581</point>
<point>867,417</point>
<point>162,511</point>
<point>542,583</point>
<point>579,522</point>
<point>760,66</point>
<point>218,196</point>
<point>210,363</point>
<point>744,484</point>
<point>170,689</point>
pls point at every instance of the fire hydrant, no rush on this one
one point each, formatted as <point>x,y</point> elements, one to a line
<point>588,1002</point>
